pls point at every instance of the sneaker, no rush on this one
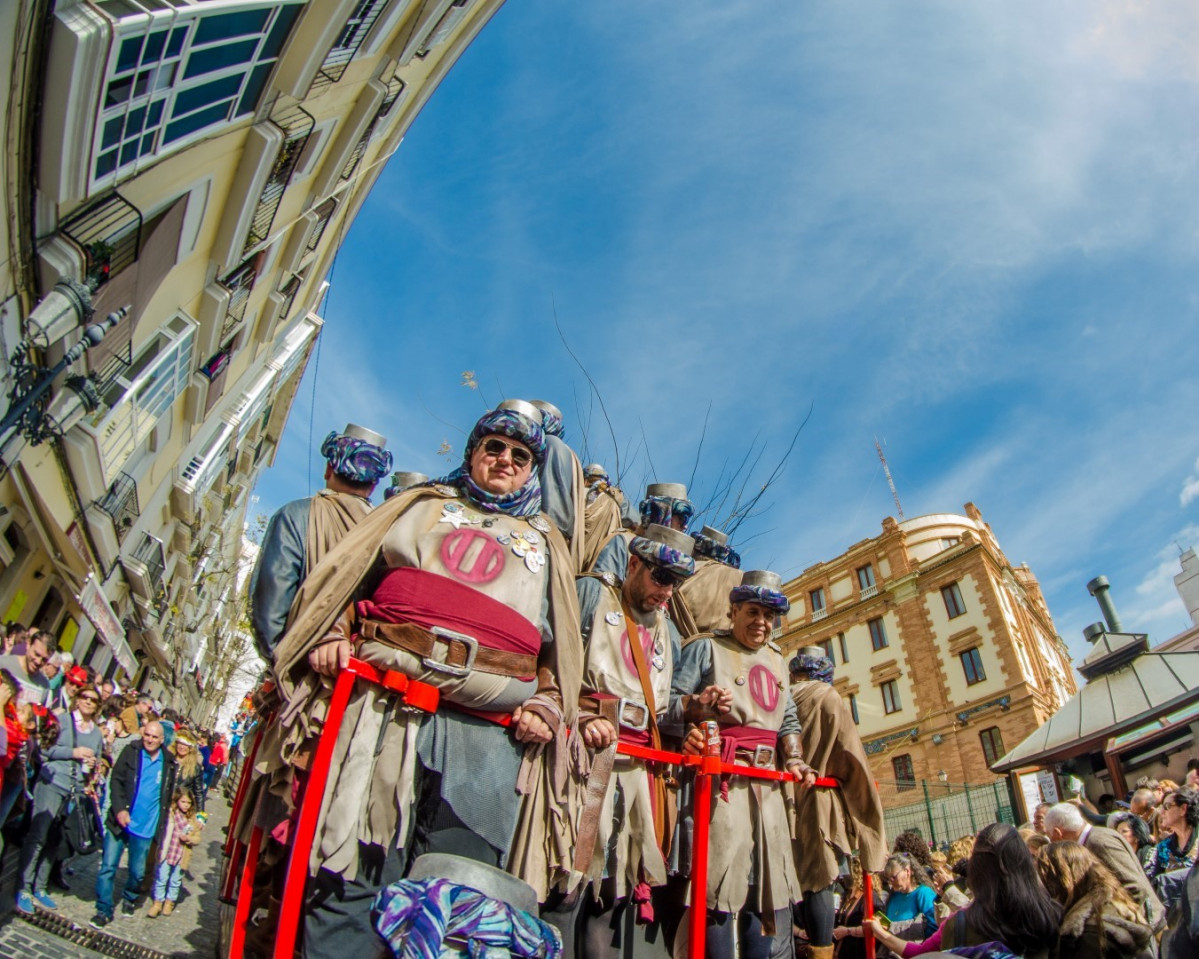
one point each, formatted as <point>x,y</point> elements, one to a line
<point>44,901</point>
<point>128,910</point>
<point>24,903</point>
<point>99,921</point>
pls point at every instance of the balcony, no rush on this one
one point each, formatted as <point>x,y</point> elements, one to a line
<point>296,125</point>
<point>868,592</point>
<point>146,567</point>
<point>819,614</point>
<point>120,503</point>
<point>395,86</point>
<point>239,283</point>
<point>109,234</point>
<point>355,30</point>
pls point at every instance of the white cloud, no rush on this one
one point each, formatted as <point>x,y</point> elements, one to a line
<point>1190,488</point>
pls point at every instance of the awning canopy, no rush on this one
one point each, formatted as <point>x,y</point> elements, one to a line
<point>1150,686</point>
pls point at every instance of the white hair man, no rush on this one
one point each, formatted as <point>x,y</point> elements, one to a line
<point>1065,822</point>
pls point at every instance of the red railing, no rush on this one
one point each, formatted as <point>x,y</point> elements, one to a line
<point>426,697</point>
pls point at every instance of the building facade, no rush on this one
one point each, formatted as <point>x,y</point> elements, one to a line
<point>945,653</point>
<point>197,163</point>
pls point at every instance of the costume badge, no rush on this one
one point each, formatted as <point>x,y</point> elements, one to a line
<point>539,524</point>
<point>446,490</point>
<point>526,548</point>
<point>531,537</point>
<point>658,663</point>
<point>740,680</point>
<point>608,578</point>
<point>455,515</point>
<point>613,618</point>
<point>659,647</point>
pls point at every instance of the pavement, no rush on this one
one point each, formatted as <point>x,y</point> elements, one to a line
<point>191,931</point>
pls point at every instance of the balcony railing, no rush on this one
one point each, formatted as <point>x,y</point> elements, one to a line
<point>818,614</point>
<point>239,283</point>
<point>109,233</point>
<point>868,591</point>
<point>357,26</point>
<point>120,503</point>
<point>395,86</point>
<point>296,124</point>
<point>324,214</point>
<point>146,569</point>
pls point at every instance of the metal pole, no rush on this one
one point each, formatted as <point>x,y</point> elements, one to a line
<point>868,913</point>
<point>970,809</point>
<point>310,808</point>
<point>928,809</point>
<point>701,814</point>
<point>245,896</point>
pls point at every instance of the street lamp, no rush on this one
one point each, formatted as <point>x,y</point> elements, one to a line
<point>30,411</point>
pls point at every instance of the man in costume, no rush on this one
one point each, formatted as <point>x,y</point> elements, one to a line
<point>563,494</point>
<point>403,480</point>
<point>701,604</point>
<point>604,514</point>
<point>304,530</point>
<point>465,586</point>
<point>738,678</point>
<point>627,822</point>
<point>829,824</point>
<point>665,504</point>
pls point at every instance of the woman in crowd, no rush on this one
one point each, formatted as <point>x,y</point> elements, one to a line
<point>1099,917</point>
<point>191,770</point>
<point>1009,906</point>
<point>1136,831</point>
<point>911,899</point>
<point>913,844</point>
<point>1178,817</point>
<point>850,916</point>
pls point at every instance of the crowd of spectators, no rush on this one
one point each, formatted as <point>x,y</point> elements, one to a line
<point>1114,879</point>
<point>91,768</point>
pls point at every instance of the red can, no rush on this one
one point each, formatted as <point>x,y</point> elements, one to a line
<point>711,730</point>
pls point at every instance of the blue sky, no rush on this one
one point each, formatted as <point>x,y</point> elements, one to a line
<point>966,228</point>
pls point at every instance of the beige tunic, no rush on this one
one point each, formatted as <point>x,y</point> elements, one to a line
<point>626,848</point>
<point>502,557</point>
<point>701,603</point>
<point>758,874</point>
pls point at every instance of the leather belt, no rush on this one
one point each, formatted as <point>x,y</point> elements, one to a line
<point>760,757</point>
<point>629,713</point>
<point>459,653</point>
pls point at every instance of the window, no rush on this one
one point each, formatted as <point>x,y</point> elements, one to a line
<point>137,398</point>
<point>816,596</point>
<point>949,542</point>
<point>992,741</point>
<point>878,634</point>
<point>953,600</point>
<point>891,703</point>
<point>853,708</point>
<point>827,646</point>
<point>865,576</point>
<point>905,772</point>
<point>844,647</point>
<point>181,72</point>
<point>972,663</point>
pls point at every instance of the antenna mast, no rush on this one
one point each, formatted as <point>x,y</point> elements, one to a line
<point>887,472</point>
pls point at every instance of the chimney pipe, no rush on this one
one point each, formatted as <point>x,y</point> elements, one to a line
<point>1098,587</point>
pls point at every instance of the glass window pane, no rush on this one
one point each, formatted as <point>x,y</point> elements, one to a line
<point>155,113</point>
<point>197,121</point>
<point>178,35</point>
<point>148,143</point>
<point>106,163</point>
<point>129,152</point>
<point>205,94</point>
<point>134,121</point>
<point>130,53</point>
<point>227,25</point>
<point>154,44</point>
<point>282,27</point>
<point>112,133</point>
<point>220,57</point>
<point>118,92</point>
<point>254,85</point>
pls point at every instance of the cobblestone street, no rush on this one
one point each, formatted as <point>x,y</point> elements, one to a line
<point>191,930</point>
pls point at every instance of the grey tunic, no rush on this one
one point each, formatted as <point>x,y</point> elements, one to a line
<point>278,573</point>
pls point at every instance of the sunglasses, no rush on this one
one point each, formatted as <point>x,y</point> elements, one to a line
<point>663,577</point>
<point>88,699</point>
<point>521,457</point>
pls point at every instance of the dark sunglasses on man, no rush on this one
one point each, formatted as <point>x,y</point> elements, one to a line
<point>521,457</point>
<point>663,577</point>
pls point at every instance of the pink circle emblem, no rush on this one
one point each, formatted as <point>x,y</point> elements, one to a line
<point>485,564</point>
<point>626,649</point>
<point>764,688</point>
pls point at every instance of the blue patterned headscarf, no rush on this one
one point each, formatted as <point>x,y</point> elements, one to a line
<point>355,459</point>
<point>773,598</point>
<point>660,510</point>
<point>722,553</point>
<point>525,501</point>
<point>551,423</point>
<point>662,555</point>
<point>819,668</point>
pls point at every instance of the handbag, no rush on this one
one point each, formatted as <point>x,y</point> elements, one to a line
<point>81,826</point>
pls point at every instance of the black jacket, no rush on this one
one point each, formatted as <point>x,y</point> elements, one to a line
<point>123,786</point>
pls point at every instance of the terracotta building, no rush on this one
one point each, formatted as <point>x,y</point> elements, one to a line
<point>945,652</point>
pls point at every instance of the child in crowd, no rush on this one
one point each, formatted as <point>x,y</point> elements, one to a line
<point>182,832</point>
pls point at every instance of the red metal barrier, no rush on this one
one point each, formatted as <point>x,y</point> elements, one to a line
<point>241,913</point>
<point>426,697</point>
<point>868,913</point>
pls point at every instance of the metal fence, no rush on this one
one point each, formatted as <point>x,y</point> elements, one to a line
<point>942,812</point>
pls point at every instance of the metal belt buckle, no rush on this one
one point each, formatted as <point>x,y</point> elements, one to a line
<point>472,649</point>
<point>763,757</point>
<point>642,724</point>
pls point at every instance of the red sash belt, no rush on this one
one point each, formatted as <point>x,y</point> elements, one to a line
<point>409,595</point>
